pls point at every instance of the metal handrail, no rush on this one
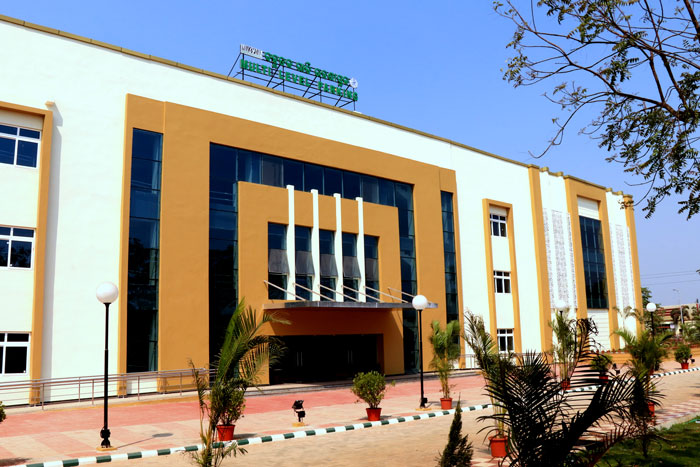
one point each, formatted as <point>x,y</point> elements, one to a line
<point>341,293</point>
<point>312,291</point>
<point>284,290</point>
<point>34,391</point>
<point>402,293</point>
<point>384,293</point>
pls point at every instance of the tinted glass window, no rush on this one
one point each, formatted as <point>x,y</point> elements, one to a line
<point>144,232</point>
<point>15,360</point>
<point>386,192</point>
<point>404,196</point>
<point>349,244</point>
<point>16,337</point>
<point>23,232</point>
<point>29,133</point>
<point>21,254</point>
<point>4,231</point>
<point>294,174</point>
<point>313,178</point>
<point>351,185</point>
<point>272,171</point>
<point>10,130</point>
<point>333,181</point>
<point>371,250</point>
<point>4,252</point>
<point>145,203</point>
<point>370,189</point>
<point>27,153</point>
<point>248,167</point>
<point>277,236</point>
<point>145,174</point>
<point>147,145</point>
<point>325,238</point>
<point>7,151</point>
<point>280,280</point>
<point>222,194</point>
<point>222,224</point>
<point>223,162</point>
<point>302,238</point>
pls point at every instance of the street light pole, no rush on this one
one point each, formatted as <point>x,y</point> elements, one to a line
<point>106,293</point>
<point>420,303</point>
<point>651,308</point>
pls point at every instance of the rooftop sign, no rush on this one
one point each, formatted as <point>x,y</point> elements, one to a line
<point>299,78</point>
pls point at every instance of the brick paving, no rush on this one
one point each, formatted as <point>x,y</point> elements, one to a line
<point>62,432</point>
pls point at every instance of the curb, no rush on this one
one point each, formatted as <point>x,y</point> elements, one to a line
<point>656,375</point>
<point>250,441</point>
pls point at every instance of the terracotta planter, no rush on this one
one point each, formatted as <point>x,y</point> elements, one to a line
<point>445,403</point>
<point>374,415</point>
<point>603,378</point>
<point>684,366</point>
<point>652,408</point>
<point>498,446</point>
<point>225,432</point>
<point>565,385</point>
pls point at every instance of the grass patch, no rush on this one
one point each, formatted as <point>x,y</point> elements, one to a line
<point>679,448</point>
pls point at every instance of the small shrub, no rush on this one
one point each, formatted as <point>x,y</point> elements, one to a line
<point>683,353</point>
<point>459,451</point>
<point>370,387</point>
<point>2,412</point>
<point>601,363</point>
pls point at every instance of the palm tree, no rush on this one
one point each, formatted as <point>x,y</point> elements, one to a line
<point>446,351</point>
<point>548,426</point>
<point>564,349</point>
<point>243,356</point>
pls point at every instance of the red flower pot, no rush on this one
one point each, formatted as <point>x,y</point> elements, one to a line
<point>445,403</point>
<point>684,366</point>
<point>225,432</point>
<point>498,446</point>
<point>374,415</point>
<point>652,408</point>
<point>603,379</point>
<point>565,385</point>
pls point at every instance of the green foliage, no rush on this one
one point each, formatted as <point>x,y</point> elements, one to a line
<point>370,387</point>
<point>679,447</point>
<point>683,353</point>
<point>647,350</point>
<point>242,357</point>
<point>691,332</point>
<point>547,426</point>
<point>646,296</point>
<point>2,413</point>
<point>458,451</point>
<point>638,66</point>
<point>601,362</point>
<point>564,345</point>
<point>446,351</point>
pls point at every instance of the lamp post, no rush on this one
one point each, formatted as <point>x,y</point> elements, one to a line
<point>106,293</point>
<point>560,306</point>
<point>651,308</point>
<point>680,308</point>
<point>420,303</point>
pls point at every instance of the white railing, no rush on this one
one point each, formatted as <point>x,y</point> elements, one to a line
<point>84,388</point>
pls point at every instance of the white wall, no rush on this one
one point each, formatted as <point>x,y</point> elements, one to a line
<point>480,177</point>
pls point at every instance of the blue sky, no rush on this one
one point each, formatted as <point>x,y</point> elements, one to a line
<point>433,66</point>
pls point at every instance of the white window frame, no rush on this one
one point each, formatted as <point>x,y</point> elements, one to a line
<point>502,277</point>
<point>4,345</point>
<point>501,222</point>
<point>507,335</point>
<point>18,138</point>
<point>12,237</point>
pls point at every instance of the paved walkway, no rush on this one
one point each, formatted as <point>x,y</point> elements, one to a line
<point>30,436</point>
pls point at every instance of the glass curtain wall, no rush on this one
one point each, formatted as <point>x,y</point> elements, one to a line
<point>594,263</point>
<point>448,236</point>
<point>229,165</point>
<point>144,244</point>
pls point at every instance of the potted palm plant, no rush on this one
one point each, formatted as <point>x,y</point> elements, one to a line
<point>2,412</point>
<point>242,357</point>
<point>371,388</point>
<point>491,364</point>
<point>683,354</point>
<point>601,363</point>
<point>646,354</point>
<point>446,351</point>
<point>564,347</point>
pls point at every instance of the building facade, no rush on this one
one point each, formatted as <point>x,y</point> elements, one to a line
<point>192,191</point>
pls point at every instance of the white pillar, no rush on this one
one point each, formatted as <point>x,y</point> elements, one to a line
<point>291,247</point>
<point>315,249</point>
<point>361,248</point>
<point>338,241</point>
